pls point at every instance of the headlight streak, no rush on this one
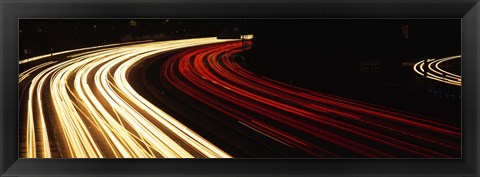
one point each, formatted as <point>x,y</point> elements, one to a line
<point>325,117</point>
<point>100,115</point>
<point>36,84</point>
<point>438,74</point>
<point>183,132</point>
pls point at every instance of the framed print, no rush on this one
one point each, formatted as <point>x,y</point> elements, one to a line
<point>244,88</point>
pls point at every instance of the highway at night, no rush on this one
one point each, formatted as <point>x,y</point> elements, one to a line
<point>192,98</point>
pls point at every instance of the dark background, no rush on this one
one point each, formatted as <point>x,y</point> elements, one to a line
<point>325,55</point>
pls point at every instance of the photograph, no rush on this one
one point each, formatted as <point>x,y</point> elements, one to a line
<point>254,88</point>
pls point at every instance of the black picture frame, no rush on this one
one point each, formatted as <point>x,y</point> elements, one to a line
<point>12,10</point>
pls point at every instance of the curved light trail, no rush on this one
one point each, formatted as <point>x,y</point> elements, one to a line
<point>435,72</point>
<point>86,99</point>
<point>97,114</point>
<point>318,124</point>
<point>76,50</point>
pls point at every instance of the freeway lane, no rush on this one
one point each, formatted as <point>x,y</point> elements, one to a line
<point>318,124</point>
<point>95,113</point>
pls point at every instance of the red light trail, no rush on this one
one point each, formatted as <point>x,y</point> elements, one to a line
<point>319,124</point>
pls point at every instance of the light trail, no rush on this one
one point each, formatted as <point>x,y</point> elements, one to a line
<point>438,74</point>
<point>36,84</point>
<point>98,112</point>
<point>316,123</point>
<point>76,50</point>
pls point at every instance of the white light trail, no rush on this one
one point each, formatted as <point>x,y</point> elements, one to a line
<point>99,114</point>
<point>436,72</point>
